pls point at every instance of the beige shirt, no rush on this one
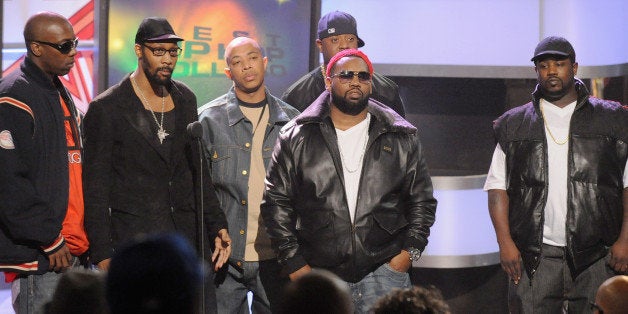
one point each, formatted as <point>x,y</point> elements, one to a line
<point>258,246</point>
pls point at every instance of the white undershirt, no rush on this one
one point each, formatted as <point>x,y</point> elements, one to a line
<point>556,207</point>
<point>352,145</point>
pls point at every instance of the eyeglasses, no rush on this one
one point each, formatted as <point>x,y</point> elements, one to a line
<point>158,52</point>
<point>347,76</point>
<point>64,47</point>
<point>596,307</point>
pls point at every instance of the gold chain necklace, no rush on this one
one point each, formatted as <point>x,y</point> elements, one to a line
<point>548,129</point>
<point>161,133</point>
<point>323,71</point>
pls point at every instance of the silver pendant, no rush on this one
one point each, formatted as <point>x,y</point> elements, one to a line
<point>161,134</point>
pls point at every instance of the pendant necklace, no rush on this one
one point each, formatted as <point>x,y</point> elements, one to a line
<point>161,133</point>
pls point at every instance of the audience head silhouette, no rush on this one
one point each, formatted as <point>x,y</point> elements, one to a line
<point>415,300</point>
<point>158,274</point>
<point>319,291</point>
<point>79,291</point>
<point>612,296</point>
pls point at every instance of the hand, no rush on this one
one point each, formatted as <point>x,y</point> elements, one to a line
<point>223,249</point>
<point>61,259</point>
<point>300,272</point>
<point>510,258</point>
<point>104,264</point>
<point>619,257</point>
<point>401,262</point>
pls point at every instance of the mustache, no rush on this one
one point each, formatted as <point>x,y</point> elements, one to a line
<point>169,69</point>
<point>355,89</point>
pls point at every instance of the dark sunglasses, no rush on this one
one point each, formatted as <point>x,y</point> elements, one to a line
<point>596,307</point>
<point>64,47</point>
<point>347,76</point>
<point>158,52</point>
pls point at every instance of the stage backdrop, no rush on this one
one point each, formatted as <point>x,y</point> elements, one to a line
<point>281,27</point>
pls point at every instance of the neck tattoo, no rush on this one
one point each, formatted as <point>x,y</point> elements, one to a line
<point>161,133</point>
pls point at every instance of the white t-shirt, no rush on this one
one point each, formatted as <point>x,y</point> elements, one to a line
<point>557,120</point>
<point>352,146</point>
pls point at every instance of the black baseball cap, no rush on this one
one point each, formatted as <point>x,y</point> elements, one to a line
<point>338,23</point>
<point>155,29</point>
<point>554,45</point>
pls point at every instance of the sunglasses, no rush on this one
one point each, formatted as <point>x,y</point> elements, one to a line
<point>596,307</point>
<point>64,47</point>
<point>158,52</point>
<point>347,76</point>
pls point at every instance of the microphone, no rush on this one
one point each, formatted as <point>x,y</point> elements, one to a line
<point>195,130</point>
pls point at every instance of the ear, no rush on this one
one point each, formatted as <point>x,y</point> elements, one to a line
<point>228,72</point>
<point>35,49</point>
<point>319,44</point>
<point>138,50</point>
<point>265,60</point>
<point>575,68</point>
<point>328,84</point>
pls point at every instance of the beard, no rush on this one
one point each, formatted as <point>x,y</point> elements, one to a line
<point>348,107</point>
<point>554,95</point>
<point>153,77</point>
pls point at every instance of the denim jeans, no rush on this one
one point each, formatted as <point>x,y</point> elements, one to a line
<point>552,289</point>
<point>260,278</point>
<point>375,285</point>
<point>32,292</point>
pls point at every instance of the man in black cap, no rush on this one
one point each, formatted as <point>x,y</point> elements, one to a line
<point>558,189</point>
<point>338,31</point>
<point>141,168</point>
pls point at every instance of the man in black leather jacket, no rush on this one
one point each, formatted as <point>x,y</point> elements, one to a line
<point>348,189</point>
<point>338,31</point>
<point>557,189</point>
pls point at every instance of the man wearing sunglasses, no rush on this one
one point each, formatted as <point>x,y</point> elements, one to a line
<point>338,31</point>
<point>612,296</point>
<point>142,168</point>
<point>348,189</point>
<point>41,204</point>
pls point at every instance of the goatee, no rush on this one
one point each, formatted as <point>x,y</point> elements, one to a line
<point>558,94</point>
<point>346,107</point>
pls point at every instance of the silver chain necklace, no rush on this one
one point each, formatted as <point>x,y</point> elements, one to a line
<point>161,133</point>
<point>345,164</point>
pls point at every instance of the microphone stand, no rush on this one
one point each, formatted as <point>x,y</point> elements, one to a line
<point>195,130</point>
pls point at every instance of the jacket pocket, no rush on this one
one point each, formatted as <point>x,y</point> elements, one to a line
<point>387,226</point>
<point>318,238</point>
<point>219,162</point>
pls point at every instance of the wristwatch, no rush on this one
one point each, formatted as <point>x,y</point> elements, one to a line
<point>415,254</point>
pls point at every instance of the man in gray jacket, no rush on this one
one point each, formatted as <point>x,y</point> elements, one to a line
<point>239,131</point>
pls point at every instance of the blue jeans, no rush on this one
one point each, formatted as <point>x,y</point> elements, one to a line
<point>260,278</point>
<point>552,289</point>
<point>375,285</point>
<point>32,292</point>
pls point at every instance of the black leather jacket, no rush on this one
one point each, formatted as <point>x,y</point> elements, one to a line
<point>307,89</point>
<point>305,208</point>
<point>598,146</point>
